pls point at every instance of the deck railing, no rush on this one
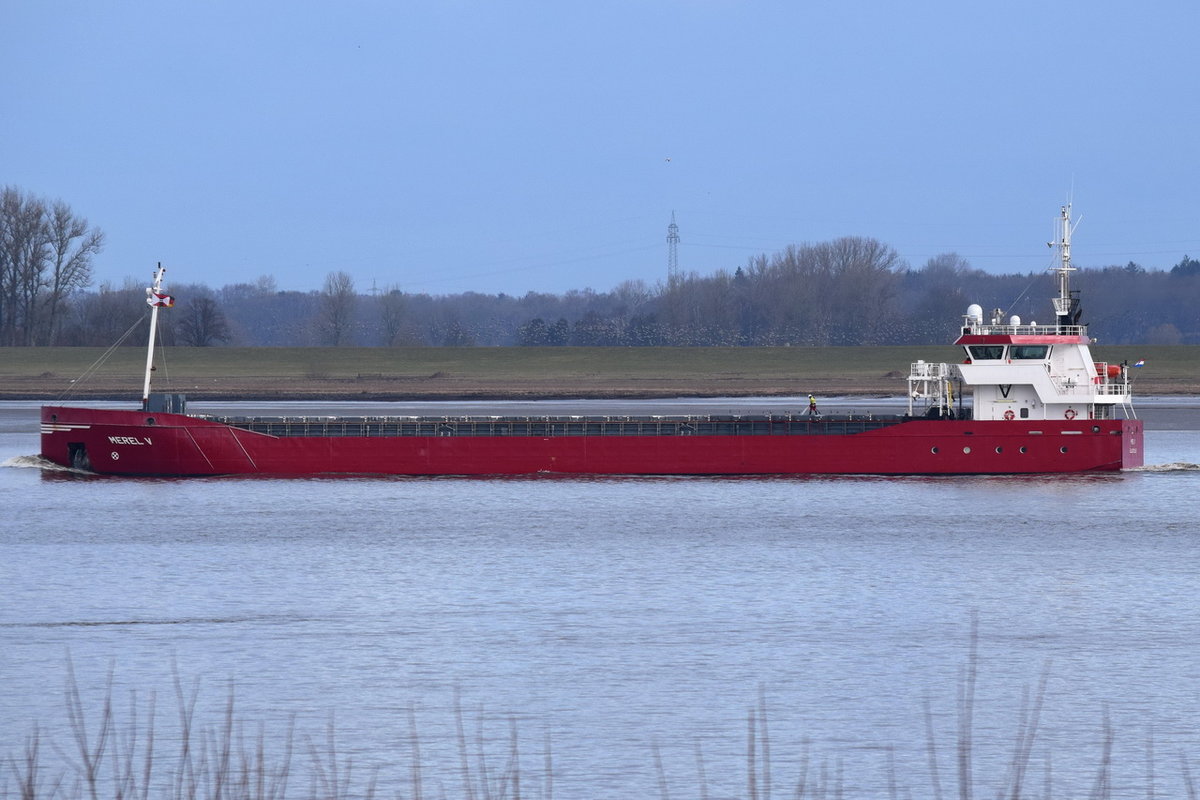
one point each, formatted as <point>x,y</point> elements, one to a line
<point>1073,387</point>
<point>1024,330</point>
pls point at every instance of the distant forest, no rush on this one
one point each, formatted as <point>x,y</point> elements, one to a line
<point>850,291</point>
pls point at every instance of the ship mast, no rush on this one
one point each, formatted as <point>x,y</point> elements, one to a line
<point>1066,307</point>
<point>155,298</point>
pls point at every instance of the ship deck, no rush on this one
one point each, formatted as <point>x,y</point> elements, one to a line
<point>549,426</point>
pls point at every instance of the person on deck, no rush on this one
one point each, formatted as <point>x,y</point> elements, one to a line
<point>812,407</point>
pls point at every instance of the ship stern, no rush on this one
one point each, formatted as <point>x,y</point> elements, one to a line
<point>1132,443</point>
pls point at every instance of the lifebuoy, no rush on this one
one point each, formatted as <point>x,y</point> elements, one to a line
<point>1009,414</point>
<point>1069,413</point>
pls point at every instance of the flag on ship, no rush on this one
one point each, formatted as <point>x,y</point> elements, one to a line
<point>164,300</point>
<point>1141,362</point>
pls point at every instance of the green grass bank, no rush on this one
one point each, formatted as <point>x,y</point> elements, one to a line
<point>350,373</point>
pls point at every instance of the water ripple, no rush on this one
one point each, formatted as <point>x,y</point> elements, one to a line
<point>132,622</point>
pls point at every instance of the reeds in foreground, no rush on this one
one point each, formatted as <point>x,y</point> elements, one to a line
<point>126,756</point>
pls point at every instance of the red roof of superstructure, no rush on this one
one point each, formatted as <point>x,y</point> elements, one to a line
<point>1008,338</point>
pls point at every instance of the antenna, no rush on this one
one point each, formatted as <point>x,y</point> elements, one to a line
<point>672,252</point>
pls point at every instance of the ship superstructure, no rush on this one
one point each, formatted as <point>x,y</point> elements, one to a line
<point>1026,371</point>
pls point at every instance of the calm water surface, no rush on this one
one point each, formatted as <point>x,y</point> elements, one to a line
<point>610,616</point>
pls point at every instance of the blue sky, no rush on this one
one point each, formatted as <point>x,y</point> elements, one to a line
<point>512,146</point>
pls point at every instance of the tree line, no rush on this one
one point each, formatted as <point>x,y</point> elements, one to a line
<point>849,291</point>
<point>45,257</point>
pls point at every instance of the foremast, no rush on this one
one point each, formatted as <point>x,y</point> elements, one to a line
<point>156,300</point>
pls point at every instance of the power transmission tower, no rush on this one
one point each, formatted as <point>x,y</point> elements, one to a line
<point>672,252</point>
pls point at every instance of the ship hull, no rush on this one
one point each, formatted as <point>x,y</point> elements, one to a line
<point>116,442</point>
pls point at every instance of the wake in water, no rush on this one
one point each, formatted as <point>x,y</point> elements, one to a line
<point>37,462</point>
<point>1178,466</point>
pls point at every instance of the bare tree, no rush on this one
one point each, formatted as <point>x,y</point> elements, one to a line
<point>100,319</point>
<point>202,323</point>
<point>391,314</point>
<point>942,297</point>
<point>633,295</point>
<point>23,257</point>
<point>45,254</point>
<point>72,245</point>
<point>864,284</point>
<point>337,309</point>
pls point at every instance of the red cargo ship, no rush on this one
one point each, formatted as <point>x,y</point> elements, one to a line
<point>1038,404</point>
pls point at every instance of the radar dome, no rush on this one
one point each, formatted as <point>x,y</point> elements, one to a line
<point>975,312</point>
<point>1014,320</point>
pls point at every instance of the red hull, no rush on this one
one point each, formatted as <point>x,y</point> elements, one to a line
<point>126,443</point>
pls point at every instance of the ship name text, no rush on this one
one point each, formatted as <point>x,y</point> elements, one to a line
<point>128,440</point>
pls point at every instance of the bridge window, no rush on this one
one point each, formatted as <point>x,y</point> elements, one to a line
<point>1034,352</point>
<point>986,352</point>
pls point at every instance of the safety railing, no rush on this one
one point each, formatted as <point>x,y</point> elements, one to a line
<point>1024,330</point>
<point>1074,387</point>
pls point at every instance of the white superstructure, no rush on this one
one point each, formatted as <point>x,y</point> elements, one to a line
<point>1014,371</point>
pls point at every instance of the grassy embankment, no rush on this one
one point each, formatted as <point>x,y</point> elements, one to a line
<point>373,373</point>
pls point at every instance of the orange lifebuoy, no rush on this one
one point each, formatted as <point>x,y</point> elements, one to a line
<point>1009,414</point>
<point>1069,413</point>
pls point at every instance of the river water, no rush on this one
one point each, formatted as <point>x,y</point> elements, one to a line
<point>624,629</point>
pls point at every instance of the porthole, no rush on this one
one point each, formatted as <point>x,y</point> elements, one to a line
<point>999,450</point>
<point>1095,429</point>
<point>966,450</point>
<point>54,417</point>
<point>933,450</point>
<point>1063,449</point>
<point>1024,449</point>
<point>149,420</point>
